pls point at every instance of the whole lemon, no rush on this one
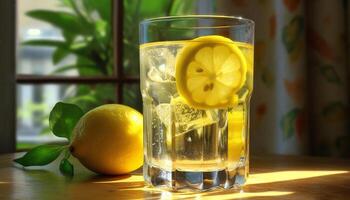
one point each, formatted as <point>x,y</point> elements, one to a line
<point>108,139</point>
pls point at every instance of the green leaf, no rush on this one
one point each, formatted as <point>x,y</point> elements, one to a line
<point>41,155</point>
<point>63,119</point>
<point>89,71</point>
<point>63,20</point>
<point>103,8</point>
<point>105,92</point>
<point>89,99</point>
<point>66,3</point>
<point>288,122</point>
<point>49,43</point>
<point>154,8</point>
<point>64,69</point>
<point>180,7</point>
<point>82,51</point>
<point>58,55</point>
<point>91,68</point>
<point>68,36</point>
<point>100,29</point>
<point>85,97</point>
<point>66,168</point>
<point>330,74</point>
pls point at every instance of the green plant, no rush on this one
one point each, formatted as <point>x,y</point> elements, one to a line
<point>87,34</point>
<point>86,27</point>
<point>62,121</point>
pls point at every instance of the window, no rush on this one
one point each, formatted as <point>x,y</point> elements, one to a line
<point>47,74</point>
<point>67,50</point>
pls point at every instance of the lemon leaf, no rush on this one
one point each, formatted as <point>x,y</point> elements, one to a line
<point>39,156</point>
<point>66,168</point>
<point>63,118</point>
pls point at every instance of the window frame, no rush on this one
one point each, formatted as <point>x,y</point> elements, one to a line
<point>7,76</point>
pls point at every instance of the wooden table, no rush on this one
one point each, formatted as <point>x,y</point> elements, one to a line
<point>273,177</point>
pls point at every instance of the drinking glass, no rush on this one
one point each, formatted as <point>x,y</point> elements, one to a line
<point>196,84</point>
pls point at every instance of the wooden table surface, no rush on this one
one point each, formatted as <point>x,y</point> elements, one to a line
<point>272,177</point>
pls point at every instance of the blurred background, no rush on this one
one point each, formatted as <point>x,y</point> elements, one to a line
<point>86,52</point>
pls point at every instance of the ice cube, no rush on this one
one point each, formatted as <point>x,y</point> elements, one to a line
<point>161,64</point>
<point>164,114</point>
<point>187,118</point>
<point>161,92</point>
<point>154,75</point>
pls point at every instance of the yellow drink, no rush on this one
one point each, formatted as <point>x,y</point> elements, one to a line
<point>186,142</point>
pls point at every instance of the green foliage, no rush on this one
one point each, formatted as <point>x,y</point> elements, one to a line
<point>86,27</point>
<point>178,7</point>
<point>63,118</point>
<point>65,21</point>
<point>66,168</point>
<point>87,34</point>
<point>41,155</point>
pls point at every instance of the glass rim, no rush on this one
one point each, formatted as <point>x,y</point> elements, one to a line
<point>243,21</point>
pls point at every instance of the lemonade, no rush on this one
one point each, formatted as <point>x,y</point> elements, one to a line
<point>195,136</point>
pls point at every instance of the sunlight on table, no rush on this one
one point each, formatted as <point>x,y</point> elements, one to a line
<point>271,177</point>
<point>135,183</point>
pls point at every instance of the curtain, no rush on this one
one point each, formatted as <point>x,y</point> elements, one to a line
<point>301,89</point>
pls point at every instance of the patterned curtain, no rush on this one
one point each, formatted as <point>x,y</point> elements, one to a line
<point>301,89</point>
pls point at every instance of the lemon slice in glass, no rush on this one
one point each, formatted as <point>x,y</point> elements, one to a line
<point>209,70</point>
<point>235,135</point>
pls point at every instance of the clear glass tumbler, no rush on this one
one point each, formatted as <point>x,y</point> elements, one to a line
<point>196,84</point>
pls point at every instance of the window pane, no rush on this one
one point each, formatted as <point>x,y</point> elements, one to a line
<point>34,103</point>
<point>132,96</point>
<point>79,46</point>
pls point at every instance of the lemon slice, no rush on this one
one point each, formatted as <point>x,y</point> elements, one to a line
<point>235,135</point>
<point>209,70</point>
